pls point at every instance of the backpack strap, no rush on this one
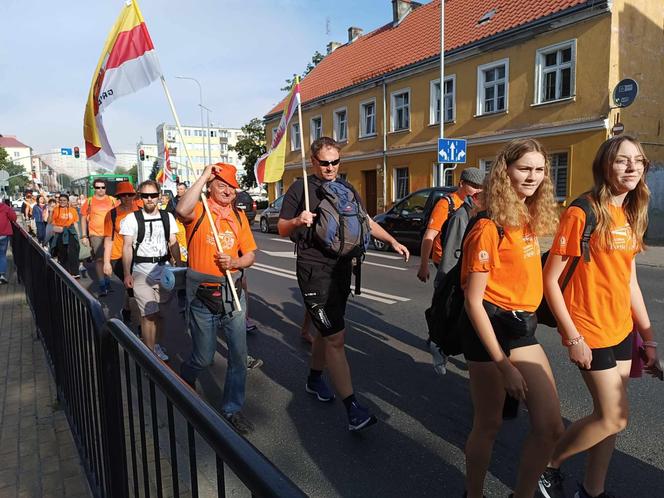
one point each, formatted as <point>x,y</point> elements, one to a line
<point>591,222</point>
<point>114,217</point>
<point>450,210</point>
<point>140,221</point>
<point>166,221</point>
<point>196,226</point>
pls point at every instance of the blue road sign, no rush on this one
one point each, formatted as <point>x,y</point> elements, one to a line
<point>451,150</point>
<point>625,92</point>
<point>65,151</point>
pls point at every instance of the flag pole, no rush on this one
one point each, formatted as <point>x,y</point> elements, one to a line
<point>304,160</point>
<point>229,278</point>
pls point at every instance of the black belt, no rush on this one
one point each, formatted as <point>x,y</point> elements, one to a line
<point>155,259</point>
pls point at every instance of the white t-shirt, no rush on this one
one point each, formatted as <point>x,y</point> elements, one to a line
<point>154,241</point>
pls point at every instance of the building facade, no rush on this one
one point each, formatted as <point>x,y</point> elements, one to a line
<point>205,146</point>
<point>512,69</point>
<point>18,152</point>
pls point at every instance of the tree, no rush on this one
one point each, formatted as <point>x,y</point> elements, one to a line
<point>13,169</point>
<point>315,59</point>
<point>155,170</point>
<point>249,147</point>
<point>133,171</point>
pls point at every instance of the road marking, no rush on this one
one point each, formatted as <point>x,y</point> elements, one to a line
<point>280,254</point>
<point>279,239</point>
<point>381,297</point>
<point>380,255</point>
<point>400,268</point>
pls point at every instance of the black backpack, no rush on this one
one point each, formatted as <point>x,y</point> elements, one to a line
<point>450,211</point>
<point>544,314</point>
<point>445,318</point>
<point>141,221</point>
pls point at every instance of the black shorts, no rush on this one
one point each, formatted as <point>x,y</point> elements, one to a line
<point>325,289</point>
<point>605,358</point>
<point>118,271</point>
<point>474,350</point>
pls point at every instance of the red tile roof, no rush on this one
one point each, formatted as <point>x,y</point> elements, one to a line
<point>11,142</point>
<point>417,38</point>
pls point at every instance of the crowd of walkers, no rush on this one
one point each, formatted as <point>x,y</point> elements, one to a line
<point>489,228</point>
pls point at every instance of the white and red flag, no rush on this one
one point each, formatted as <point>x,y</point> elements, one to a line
<point>127,64</point>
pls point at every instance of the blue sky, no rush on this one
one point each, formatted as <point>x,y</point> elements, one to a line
<point>240,50</point>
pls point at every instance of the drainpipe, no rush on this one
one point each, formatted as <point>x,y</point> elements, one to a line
<point>384,145</point>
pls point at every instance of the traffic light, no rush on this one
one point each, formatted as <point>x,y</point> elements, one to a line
<point>141,154</point>
<point>77,153</point>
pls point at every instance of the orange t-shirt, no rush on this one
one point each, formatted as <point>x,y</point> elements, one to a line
<point>436,220</point>
<point>598,294</point>
<point>118,240</point>
<point>514,265</point>
<point>202,248</point>
<point>64,217</point>
<point>95,211</point>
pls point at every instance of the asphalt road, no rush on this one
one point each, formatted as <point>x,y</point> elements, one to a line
<point>417,447</point>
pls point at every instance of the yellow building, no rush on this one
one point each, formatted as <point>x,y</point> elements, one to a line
<point>543,69</point>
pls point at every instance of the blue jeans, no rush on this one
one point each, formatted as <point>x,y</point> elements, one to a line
<point>4,243</point>
<point>203,326</point>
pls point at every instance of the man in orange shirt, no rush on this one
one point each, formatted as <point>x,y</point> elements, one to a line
<point>210,300</point>
<point>93,212</point>
<point>469,184</point>
<point>113,240</point>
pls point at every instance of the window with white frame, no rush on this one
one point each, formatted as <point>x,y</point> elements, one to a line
<point>343,176</point>
<point>401,183</point>
<point>485,165</point>
<point>449,92</point>
<point>341,125</point>
<point>278,188</point>
<point>554,72</point>
<point>400,110</point>
<point>295,136</point>
<point>440,170</point>
<point>316,128</point>
<point>368,118</point>
<point>492,87</point>
<point>559,168</point>
<point>274,132</point>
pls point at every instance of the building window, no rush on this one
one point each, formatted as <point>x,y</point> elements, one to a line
<point>341,125</point>
<point>554,72</point>
<point>485,165</point>
<point>401,183</point>
<point>187,132</point>
<point>368,119</point>
<point>274,132</point>
<point>213,133</point>
<point>492,87</point>
<point>278,189</point>
<point>295,136</point>
<point>559,165</point>
<point>448,100</point>
<point>401,110</point>
<point>316,128</point>
<point>343,176</point>
<point>17,154</point>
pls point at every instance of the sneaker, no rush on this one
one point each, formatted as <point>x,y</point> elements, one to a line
<point>439,359</point>
<point>359,417</point>
<point>160,352</point>
<point>320,389</point>
<point>77,276</point>
<point>239,422</point>
<point>253,362</point>
<point>251,325</point>
<point>582,493</point>
<point>3,280</point>
<point>550,483</point>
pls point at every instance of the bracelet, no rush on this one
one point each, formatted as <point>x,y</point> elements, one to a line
<point>649,344</point>
<point>572,342</point>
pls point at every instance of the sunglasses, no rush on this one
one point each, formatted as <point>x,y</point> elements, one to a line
<point>150,195</point>
<point>126,195</point>
<point>328,163</point>
<point>100,187</point>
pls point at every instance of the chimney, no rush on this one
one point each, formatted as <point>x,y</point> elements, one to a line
<point>332,46</point>
<point>354,33</point>
<point>400,9</point>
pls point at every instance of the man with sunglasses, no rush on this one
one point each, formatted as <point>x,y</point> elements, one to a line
<point>324,281</point>
<point>93,212</point>
<point>113,241</point>
<point>149,244</point>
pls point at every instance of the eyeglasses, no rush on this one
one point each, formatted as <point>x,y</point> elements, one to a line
<point>638,162</point>
<point>100,187</point>
<point>151,195</point>
<point>328,163</point>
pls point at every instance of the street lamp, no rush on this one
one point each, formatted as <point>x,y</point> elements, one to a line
<point>200,104</point>
<point>208,132</point>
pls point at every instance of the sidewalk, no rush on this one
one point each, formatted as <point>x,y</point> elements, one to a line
<point>38,457</point>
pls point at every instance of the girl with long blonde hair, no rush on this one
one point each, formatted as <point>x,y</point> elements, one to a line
<point>501,274</point>
<point>600,307</point>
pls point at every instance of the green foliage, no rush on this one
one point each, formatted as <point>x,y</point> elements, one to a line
<point>155,170</point>
<point>13,169</point>
<point>315,59</point>
<point>133,171</point>
<point>249,147</point>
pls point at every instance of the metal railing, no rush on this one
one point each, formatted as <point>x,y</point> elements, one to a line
<point>139,429</point>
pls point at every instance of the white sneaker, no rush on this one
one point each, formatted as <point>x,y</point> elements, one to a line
<point>439,359</point>
<point>160,352</point>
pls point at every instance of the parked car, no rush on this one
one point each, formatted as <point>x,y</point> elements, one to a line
<point>407,220</point>
<point>245,202</point>
<point>270,216</point>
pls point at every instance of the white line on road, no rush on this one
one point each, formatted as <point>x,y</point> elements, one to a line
<point>400,268</point>
<point>280,254</point>
<point>369,253</point>
<point>279,239</point>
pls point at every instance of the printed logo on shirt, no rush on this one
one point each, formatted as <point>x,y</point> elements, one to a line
<point>623,238</point>
<point>562,242</point>
<point>227,240</point>
<point>483,256</point>
<point>530,245</point>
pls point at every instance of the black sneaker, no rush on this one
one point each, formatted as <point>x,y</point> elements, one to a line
<point>582,493</point>
<point>359,417</point>
<point>239,422</point>
<point>550,483</point>
<point>318,387</point>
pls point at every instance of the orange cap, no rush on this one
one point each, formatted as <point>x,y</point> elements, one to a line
<point>226,173</point>
<point>124,188</point>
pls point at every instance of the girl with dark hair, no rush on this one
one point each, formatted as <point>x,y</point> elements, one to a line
<point>601,306</point>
